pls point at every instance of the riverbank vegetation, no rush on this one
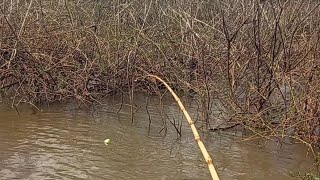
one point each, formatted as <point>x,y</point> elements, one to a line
<point>258,59</point>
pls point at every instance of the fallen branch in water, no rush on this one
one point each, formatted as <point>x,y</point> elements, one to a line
<point>203,149</point>
<point>218,128</point>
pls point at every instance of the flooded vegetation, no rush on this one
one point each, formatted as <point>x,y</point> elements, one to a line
<point>249,65</point>
<point>64,142</point>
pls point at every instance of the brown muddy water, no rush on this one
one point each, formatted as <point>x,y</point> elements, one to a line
<point>65,142</point>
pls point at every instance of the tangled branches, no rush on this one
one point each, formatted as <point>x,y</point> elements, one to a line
<point>260,59</point>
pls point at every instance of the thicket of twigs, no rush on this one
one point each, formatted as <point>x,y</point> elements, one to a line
<point>260,59</point>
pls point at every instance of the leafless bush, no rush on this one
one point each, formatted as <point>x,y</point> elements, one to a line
<point>258,58</point>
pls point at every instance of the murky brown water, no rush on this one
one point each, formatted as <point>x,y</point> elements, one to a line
<point>63,142</point>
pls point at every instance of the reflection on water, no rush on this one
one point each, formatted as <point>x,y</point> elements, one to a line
<point>63,142</point>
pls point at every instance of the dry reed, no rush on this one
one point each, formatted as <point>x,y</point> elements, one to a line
<point>197,137</point>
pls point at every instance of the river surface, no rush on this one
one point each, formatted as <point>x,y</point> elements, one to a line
<point>65,142</point>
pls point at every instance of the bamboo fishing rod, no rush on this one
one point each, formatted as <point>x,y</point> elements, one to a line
<point>203,149</point>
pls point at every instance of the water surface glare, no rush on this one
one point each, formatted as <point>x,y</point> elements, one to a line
<point>64,142</point>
